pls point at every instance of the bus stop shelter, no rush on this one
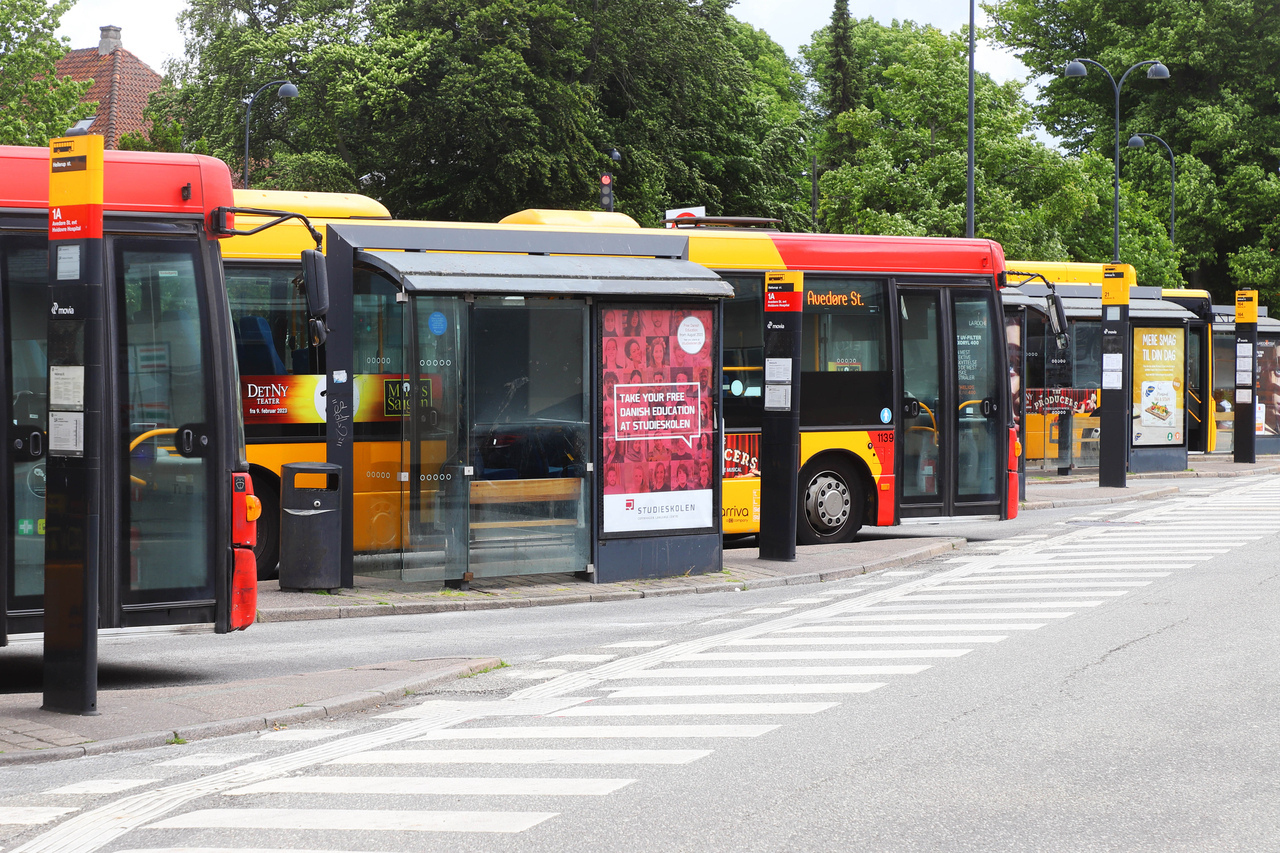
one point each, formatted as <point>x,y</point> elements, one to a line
<point>558,407</point>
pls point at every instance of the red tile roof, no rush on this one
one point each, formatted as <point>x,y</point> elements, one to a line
<point>121,85</point>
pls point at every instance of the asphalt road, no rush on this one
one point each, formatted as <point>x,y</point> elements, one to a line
<point>1098,680</point>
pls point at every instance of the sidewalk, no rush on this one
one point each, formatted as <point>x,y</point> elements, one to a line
<point>135,719</point>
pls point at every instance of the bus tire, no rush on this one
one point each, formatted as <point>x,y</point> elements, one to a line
<point>266,551</point>
<point>830,502</point>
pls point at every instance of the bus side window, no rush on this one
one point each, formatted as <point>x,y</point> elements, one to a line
<point>270,321</point>
<point>848,375</point>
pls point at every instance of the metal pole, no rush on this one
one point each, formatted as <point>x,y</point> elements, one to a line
<point>968,227</point>
<point>248,106</point>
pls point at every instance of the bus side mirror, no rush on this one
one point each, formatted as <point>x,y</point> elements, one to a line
<point>315,282</point>
<point>1058,321</point>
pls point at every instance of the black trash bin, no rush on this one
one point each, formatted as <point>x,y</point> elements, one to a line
<point>310,528</point>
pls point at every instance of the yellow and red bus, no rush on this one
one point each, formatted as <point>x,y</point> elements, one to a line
<point>173,511</point>
<point>905,402</point>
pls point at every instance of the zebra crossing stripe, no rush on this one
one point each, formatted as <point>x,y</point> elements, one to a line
<point>844,629</point>
<point>586,732</point>
<point>719,709</point>
<point>102,786</point>
<point>793,689</point>
<point>837,654</point>
<point>525,756</point>
<point>765,671</point>
<point>445,785</point>
<point>357,820</point>
<point>868,617</point>
<point>833,641</point>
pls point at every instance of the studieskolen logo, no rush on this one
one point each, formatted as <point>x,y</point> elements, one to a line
<point>631,504</point>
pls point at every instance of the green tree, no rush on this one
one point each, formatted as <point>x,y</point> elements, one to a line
<point>905,162</point>
<point>472,109</point>
<point>1218,111</point>
<point>35,105</point>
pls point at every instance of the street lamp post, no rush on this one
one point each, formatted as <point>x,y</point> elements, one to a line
<point>1136,141</point>
<point>287,90</point>
<point>1157,71</point>
<point>968,207</point>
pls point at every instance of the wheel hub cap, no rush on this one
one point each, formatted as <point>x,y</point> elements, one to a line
<point>827,502</point>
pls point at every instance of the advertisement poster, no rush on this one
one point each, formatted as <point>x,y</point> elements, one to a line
<point>658,457</point>
<point>1268,388</point>
<point>301,399</point>
<point>1159,368</point>
<point>742,455</point>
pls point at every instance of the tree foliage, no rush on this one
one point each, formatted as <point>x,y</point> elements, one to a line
<point>897,160</point>
<point>471,109</point>
<point>1218,111</point>
<point>35,105</point>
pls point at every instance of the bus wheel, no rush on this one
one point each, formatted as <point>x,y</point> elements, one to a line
<point>830,503</point>
<point>267,549</point>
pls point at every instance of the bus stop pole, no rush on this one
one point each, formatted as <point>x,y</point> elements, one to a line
<point>780,425</point>
<point>1245,441</point>
<point>1115,418</point>
<point>76,351</point>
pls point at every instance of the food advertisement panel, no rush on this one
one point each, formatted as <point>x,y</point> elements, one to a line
<point>658,457</point>
<point>1159,383</point>
<point>301,399</point>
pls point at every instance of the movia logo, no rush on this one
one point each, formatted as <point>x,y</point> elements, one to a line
<point>56,309</point>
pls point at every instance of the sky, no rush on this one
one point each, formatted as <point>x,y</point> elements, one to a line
<point>149,29</point>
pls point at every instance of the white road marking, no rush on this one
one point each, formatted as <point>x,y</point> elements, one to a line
<point>446,785</point>
<point>833,641</point>
<point>807,601</point>
<point>525,756</point>
<point>719,709</point>
<point>31,815</point>
<point>961,596</point>
<point>637,644</point>
<point>1001,575</point>
<point>767,671</point>
<point>207,759</point>
<point>793,688</point>
<point>901,574</point>
<point>763,610</point>
<point>578,659</point>
<point>102,786</point>
<point>302,734</point>
<point>862,617</point>
<point>984,606</point>
<point>539,732</point>
<point>839,654</point>
<point>358,820</point>
<point>996,583</point>
<point>844,629</point>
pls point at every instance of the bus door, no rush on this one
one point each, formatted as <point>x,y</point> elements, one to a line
<point>24,294</point>
<point>169,448</point>
<point>1199,395</point>
<point>953,401</point>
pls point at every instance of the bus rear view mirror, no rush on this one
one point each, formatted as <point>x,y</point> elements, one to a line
<point>315,282</point>
<point>1058,321</point>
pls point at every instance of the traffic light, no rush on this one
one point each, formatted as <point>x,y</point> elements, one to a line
<point>606,191</point>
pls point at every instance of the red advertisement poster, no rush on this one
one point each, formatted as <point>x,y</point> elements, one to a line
<point>658,457</point>
<point>742,455</point>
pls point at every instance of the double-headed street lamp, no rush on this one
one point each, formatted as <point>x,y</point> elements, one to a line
<point>1136,141</point>
<point>287,90</point>
<point>1157,71</point>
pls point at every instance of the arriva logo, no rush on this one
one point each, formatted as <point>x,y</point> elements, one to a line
<point>55,309</point>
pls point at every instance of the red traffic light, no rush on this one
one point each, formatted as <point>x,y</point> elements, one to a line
<point>606,179</point>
